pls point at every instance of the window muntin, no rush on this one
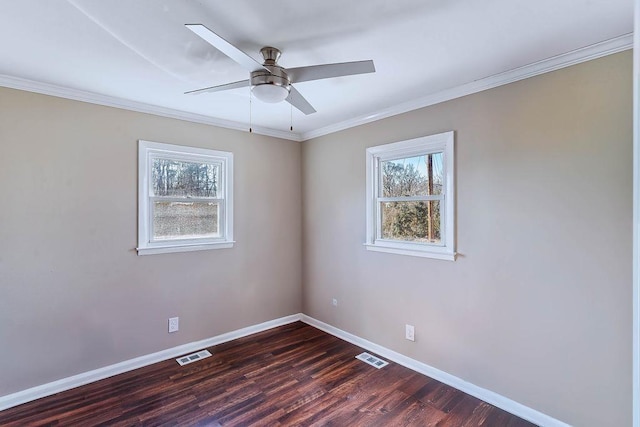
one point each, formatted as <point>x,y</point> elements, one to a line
<point>185,198</point>
<point>410,197</point>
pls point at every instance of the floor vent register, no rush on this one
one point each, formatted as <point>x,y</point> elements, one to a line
<point>372,360</point>
<point>190,358</point>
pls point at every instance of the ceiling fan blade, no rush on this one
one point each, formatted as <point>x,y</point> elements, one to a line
<point>297,100</point>
<point>225,47</point>
<point>234,85</point>
<point>326,71</point>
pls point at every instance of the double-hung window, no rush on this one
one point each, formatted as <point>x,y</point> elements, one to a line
<point>410,197</point>
<point>185,198</point>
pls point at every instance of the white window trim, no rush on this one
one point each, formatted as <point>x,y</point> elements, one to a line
<point>146,151</point>
<point>443,142</point>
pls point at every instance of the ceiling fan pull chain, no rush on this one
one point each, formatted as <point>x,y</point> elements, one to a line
<point>250,118</point>
<point>291,122</point>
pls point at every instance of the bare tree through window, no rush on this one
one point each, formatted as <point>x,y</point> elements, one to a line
<point>410,178</point>
<point>194,217</point>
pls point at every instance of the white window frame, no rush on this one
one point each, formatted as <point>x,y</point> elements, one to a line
<point>440,143</point>
<point>147,152</point>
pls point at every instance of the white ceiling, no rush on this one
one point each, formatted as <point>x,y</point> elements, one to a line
<point>140,51</point>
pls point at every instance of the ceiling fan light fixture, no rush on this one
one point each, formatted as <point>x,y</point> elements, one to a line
<point>270,86</point>
<point>270,93</point>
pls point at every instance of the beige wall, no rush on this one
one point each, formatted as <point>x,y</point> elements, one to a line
<point>538,305</point>
<point>74,296</point>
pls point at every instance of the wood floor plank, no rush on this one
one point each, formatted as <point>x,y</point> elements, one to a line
<point>293,375</point>
<point>411,412</point>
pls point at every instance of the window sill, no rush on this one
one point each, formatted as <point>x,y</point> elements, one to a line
<point>184,248</point>
<point>421,252</point>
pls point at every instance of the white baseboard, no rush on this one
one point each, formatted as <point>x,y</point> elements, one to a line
<point>24,396</point>
<point>488,396</point>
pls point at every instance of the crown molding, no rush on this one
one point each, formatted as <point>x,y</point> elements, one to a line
<point>588,53</point>
<point>595,51</point>
<point>140,107</point>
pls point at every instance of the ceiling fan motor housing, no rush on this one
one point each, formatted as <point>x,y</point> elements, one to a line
<point>275,76</point>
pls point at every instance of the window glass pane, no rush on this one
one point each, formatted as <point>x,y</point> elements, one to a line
<point>179,220</point>
<point>411,221</point>
<point>412,176</point>
<point>184,179</point>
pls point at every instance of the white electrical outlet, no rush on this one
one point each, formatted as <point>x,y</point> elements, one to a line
<point>409,332</point>
<point>174,324</point>
<point>334,302</point>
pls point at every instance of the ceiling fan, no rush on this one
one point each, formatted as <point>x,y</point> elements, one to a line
<point>269,81</point>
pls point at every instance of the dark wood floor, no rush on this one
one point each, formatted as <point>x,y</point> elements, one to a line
<point>291,375</point>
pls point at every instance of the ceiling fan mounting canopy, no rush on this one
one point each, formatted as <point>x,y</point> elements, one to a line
<point>269,81</point>
<point>270,55</point>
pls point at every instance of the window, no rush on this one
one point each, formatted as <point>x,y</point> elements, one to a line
<point>185,198</point>
<point>410,197</point>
